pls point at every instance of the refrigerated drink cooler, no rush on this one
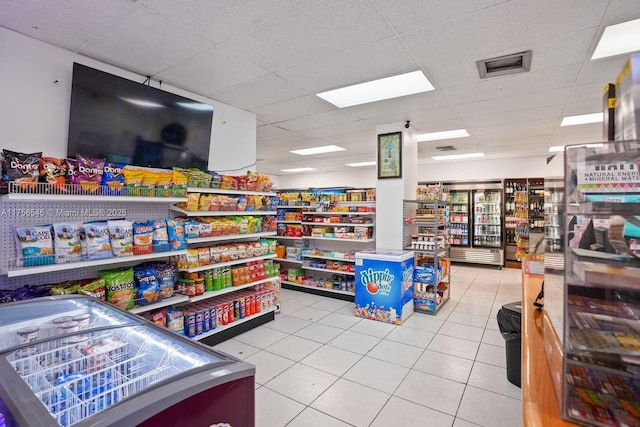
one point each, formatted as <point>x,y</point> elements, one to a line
<point>77,361</point>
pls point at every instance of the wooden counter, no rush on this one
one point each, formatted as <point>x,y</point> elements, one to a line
<point>540,406</point>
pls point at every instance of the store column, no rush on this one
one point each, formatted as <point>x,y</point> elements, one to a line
<point>392,190</point>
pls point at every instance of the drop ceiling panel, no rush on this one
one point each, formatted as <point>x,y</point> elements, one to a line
<point>57,22</point>
<point>515,103</point>
<point>316,32</point>
<point>598,70</point>
<point>514,117</point>
<point>272,135</point>
<point>145,42</point>
<point>224,20</point>
<point>212,71</point>
<point>292,108</point>
<point>339,129</point>
<point>262,91</point>
<point>352,66</point>
<point>409,103</point>
<point>330,118</point>
<point>621,11</point>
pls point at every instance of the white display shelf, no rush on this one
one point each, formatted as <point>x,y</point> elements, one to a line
<point>293,207</point>
<point>335,291</point>
<point>339,213</point>
<point>26,271</point>
<point>230,237</point>
<point>329,258</point>
<point>287,238</point>
<point>226,264</point>
<point>338,224</point>
<point>177,299</point>
<point>326,270</point>
<point>289,222</point>
<point>90,198</point>
<point>293,261</point>
<point>213,294</point>
<point>234,192</point>
<point>235,323</point>
<point>340,240</point>
<point>220,213</point>
<point>348,203</point>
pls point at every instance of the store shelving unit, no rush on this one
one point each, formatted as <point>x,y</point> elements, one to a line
<point>602,299</point>
<point>426,233</point>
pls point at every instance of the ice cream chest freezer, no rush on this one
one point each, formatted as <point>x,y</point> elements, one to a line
<point>384,285</point>
<point>77,361</point>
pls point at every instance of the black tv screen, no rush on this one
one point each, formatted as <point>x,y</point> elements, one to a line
<point>129,122</point>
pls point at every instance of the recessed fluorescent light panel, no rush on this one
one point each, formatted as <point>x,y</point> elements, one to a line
<point>618,39</point>
<point>447,134</point>
<point>297,170</point>
<point>377,90</point>
<point>582,119</point>
<point>458,156</point>
<point>361,164</point>
<point>556,149</point>
<point>560,148</point>
<point>317,150</point>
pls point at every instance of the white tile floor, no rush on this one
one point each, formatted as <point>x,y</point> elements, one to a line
<point>319,365</point>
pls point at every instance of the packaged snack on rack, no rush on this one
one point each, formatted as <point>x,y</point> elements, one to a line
<point>179,182</point>
<point>53,172</point>
<point>67,241</point>
<point>36,245</point>
<point>121,233</point>
<point>113,179</point>
<point>119,285</point>
<point>163,182</point>
<point>133,181</point>
<point>142,238</point>
<point>160,239</point>
<point>22,168</point>
<point>90,173</point>
<point>146,285</point>
<point>175,228</point>
<point>165,274</point>
<point>93,287</point>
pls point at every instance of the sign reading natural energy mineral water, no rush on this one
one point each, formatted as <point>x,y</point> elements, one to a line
<point>610,177</point>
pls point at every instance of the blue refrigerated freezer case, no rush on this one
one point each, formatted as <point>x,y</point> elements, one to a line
<point>384,285</point>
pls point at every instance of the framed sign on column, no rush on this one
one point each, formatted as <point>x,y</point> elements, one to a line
<point>390,155</point>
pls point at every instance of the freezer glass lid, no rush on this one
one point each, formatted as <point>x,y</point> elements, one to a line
<point>77,376</point>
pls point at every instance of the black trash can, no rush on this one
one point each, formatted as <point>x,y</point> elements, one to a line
<point>510,324</point>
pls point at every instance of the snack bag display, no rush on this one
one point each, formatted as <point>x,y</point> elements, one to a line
<point>148,184</point>
<point>121,233</point>
<point>36,245</point>
<point>93,287</point>
<point>97,241</point>
<point>163,183</point>
<point>147,287</point>
<point>159,318</point>
<point>160,239</point>
<point>90,173</point>
<point>67,243</point>
<point>166,275</point>
<point>119,285</point>
<point>175,228</point>
<point>71,166</point>
<point>22,168</point>
<point>175,320</point>
<point>133,181</point>
<point>179,181</point>
<point>113,179</point>
<point>53,172</point>
<point>142,238</point>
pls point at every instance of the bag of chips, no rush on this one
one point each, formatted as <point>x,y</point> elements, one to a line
<point>113,179</point>
<point>90,173</point>
<point>142,238</point>
<point>160,238</point>
<point>175,320</point>
<point>22,168</point>
<point>175,228</point>
<point>36,245</point>
<point>97,241</point>
<point>179,181</point>
<point>133,181</point>
<point>71,166</point>
<point>119,285</point>
<point>166,275</point>
<point>68,246</point>
<point>163,184</point>
<point>53,172</point>
<point>93,287</point>
<point>121,233</point>
<point>147,287</point>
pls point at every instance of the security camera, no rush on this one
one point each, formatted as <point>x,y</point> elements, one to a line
<point>407,124</point>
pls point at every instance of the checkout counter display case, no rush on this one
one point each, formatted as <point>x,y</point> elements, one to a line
<point>76,361</point>
<point>601,363</point>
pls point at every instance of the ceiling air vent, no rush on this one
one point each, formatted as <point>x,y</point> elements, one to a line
<point>446,148</point>
<point>505,65</point>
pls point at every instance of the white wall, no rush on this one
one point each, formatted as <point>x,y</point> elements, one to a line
<point>35,93</point>
<point>452,171</point>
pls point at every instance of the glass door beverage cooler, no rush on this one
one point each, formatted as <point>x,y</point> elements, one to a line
<point>459,214</point>
<point>76,361</point>
<point>487,218</point>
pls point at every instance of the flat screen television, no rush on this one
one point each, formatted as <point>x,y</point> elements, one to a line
<point>129,122</point>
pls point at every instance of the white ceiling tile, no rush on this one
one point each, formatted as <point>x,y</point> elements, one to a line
<point>145,42</point>
<point>264,90</point>
<point>273,135</point>
<point>319,31</point>
<point>327,132</point>
<point>223,20</point>
<point>621,11</point>
<point>405,104</point>
<point>354,65</point>
<point>526,101</point>
<point>292,108</point>
<point>212,71</point>
<point>601,70</point>
<point>57,22</point>
<point>330,118</point>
